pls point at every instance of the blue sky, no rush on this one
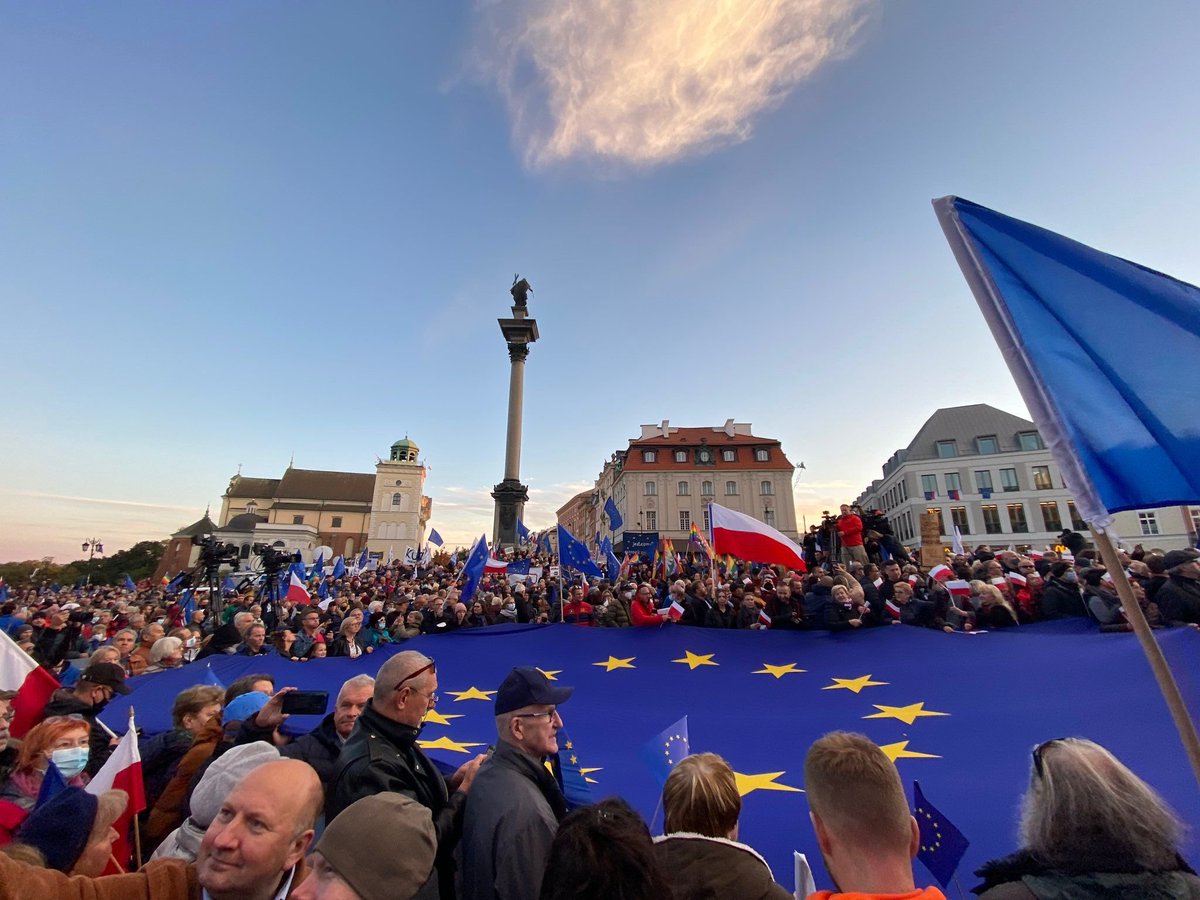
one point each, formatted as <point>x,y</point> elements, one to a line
<point>234,232</point>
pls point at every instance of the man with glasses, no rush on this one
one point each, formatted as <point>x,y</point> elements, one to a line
<point>513,813</point>
<point>382,755</point>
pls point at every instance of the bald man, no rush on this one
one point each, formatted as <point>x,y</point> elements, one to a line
<point>382,755</point>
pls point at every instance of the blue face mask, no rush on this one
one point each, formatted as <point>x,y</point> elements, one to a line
<point>70,761</point>
<point>1072,577</point>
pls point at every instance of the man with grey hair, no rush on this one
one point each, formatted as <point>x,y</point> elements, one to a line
<point>1090,828</point>
<point>382,755</point>
<point>515,794</point>
<point>322,746</point>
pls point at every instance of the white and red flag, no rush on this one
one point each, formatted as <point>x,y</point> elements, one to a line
<point>747,538</point>
<point>495,565</point>
<point>297,592</point>
<point>123,772</point>
<point>941,572</point>
<point>958,587</point>
<point>764,619</point>
<point>33,684</point>
<point>675,610</point>
<point>893,609</point>
<point>1017,578</point>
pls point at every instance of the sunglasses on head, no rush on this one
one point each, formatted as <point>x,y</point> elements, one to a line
<point>1037,755</point>
<point>430,667</point>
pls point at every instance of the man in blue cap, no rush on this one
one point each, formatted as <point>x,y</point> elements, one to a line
<point>515,804</point>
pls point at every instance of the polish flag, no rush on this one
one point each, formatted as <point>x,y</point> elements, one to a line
<point>1000,581</point>
<point>296,591</point>
<point>940,572</point>
<point>495,565</point>
<point>675,610</point>
<point>751,540</point>
<point>893,609</point>
<point>914,580</point>
<point>1017,578</point>
<point>958,587</point>
<point>33,684</point>
<point>123,772</point>
<point>763,618</point>
<point>878,582</point>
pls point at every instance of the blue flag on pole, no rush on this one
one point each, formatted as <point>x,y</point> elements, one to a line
<point>614,516</point>
<point>665,749</point>
<point>520,567</point>
<point>363,559</point>
<point>339,569</point>
<point>522,532</point>
<point>53,784</point>
<point>544,542</point>
<point>573,553</point>
<point>942,845</point>
<point>227,586</point>
<point>435,538</point>
<point>473,570</point>
<point>1105,353</point>
<point>176,583</point>
<point>187,605</point>
<point>319,566</point>
<point>322,589</point>
<point>128,584</point>
<point>569,774</point>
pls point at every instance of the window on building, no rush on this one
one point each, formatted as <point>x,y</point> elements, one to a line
<point>337,522</point>
<point>706,488</point>
<point>1030,440</point>
<point>396,498</point>
<point>730,488</point>
<point>991,518</point>
<point>650,489</point>
<point>649,456</point>
<point>929,486</point>
<point>766,488</point>
<point>987,444</point>
<point>903,491</point>
<point>762,455</point>
<point>1148,522</point>
<point>1051,518</point>
<point>1077,524</point>
<point>1041,478</point>
<point>947,449</point>
<point>652,520</point>
<point>1195,513</point>
<point>936,512</point>
<point>685,520</point>
<point>983,480</point>
<point>958,515</point>
<point>707,525</point>
<point>681,489</point>
<point>1008,480</point>
<point>729,455</point>
<point>953,483</point>
<point>681,456</point>
<point>1016,518</point>
<point>252,508</point>
<point>297,520</point>
<point>909,523</point>
<point>769,517</point>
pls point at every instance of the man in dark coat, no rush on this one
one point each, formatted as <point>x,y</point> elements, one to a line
<point>98,684</point>
<point>1179,598</point>
<point>382,755</point>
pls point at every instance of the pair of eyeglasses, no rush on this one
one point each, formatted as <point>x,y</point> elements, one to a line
<point>431,667</point>
<point>1037,755</point>
<point>549,715</point>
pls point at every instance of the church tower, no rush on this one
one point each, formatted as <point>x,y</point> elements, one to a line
<point>399,510</point>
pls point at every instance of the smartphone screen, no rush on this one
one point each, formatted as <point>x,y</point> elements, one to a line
<point>305,703</point>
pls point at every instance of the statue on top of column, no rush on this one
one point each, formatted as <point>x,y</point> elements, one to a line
<point>520,291</point>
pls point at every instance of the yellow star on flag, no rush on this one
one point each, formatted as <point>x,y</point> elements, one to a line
<point>445,743</point>
<point>692,660</point>
<point>550,673</point>
<point>472,693</point>
<point>433,717</point>
<point>906,714</point>
<point>853,684</point>
<point>778,671</point>
<point>614,663</point>
<point>586,772</point>
<point>574,760</point>
<point>898,751</point>
<point>763,782</point>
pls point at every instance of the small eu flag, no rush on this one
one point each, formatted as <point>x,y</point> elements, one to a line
<point>666,749</point>
<point>614,515</point>
<point>942,845</point>
<point>565,767</point>
<point>435,538</point>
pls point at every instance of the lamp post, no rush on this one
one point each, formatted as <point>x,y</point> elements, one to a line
<point>91,547</point>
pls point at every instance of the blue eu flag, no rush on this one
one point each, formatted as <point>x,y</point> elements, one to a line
<point>573,554</point>
<point>569,774</point>
<point>473,571</point>
<point>339,569</point>
<point>614,517</point>
<point>666,749</point>
<point>128,584</point>
<point>942,845</point>
<point>435,538</point>
<point>522,532</point>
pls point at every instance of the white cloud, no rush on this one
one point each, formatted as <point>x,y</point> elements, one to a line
<point>644,83</point>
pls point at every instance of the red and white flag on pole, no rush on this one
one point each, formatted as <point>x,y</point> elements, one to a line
<point>123,772</point>
<point>893,609</point>
<point>941,572</point>
<point>33,684</point>
<point>1017,578</point>
<point>763,619</point>
<point>495,565</point>
<point>675,610</point>
<point>747,538</point>
<point>297,592</point>
<point>958,587</point>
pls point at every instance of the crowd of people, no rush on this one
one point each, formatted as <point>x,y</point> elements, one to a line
<point>234,807</point>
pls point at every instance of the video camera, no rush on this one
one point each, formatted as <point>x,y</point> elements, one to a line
<point>273,559</point>
<point>214,553</point>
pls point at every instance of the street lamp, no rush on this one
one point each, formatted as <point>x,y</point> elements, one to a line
<point>91,547</point>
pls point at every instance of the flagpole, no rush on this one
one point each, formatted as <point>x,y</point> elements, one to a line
<point>137,831</point>
<point>1154,655</point>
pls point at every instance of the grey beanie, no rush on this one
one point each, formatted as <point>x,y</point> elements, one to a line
<point>381,823</point>
<point>224,775</point>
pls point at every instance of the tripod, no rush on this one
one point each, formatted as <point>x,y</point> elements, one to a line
<point>267,596</point>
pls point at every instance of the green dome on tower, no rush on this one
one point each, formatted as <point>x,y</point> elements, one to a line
<point>404,450</point>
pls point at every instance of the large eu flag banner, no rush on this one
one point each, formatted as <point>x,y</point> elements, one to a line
<point>957,712</point>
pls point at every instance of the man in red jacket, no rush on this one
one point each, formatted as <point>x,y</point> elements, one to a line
<point>642,611</point>
<point>850,531</point>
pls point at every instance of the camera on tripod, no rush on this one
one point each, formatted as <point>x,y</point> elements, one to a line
<point>273,559</point>
<point>214,553</point>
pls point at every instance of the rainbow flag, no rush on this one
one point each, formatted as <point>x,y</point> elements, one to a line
<point>698,537</point>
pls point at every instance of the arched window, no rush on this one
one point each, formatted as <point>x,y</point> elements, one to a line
<point>682,489</point>
<point>706,488</point>
<point>396,498</point>
<point>731,487</point>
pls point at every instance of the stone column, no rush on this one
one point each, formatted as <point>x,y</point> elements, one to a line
<point>510,495</point>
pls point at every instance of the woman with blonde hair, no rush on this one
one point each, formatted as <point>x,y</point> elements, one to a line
<point>701,805</point>
<point>1090,828</point>
<point>62,740</point>
<point>992,610</point>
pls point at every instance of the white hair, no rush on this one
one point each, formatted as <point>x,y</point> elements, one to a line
<point>163,648</point>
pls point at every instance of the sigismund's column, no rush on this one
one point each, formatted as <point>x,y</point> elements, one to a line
<point>510,495</point>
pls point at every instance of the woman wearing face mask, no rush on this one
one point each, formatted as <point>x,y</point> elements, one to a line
<point>1061,597</point>
<point>62,740</point>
